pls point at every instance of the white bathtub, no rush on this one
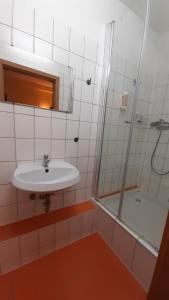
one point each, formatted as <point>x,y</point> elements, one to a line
<point>142,213</point>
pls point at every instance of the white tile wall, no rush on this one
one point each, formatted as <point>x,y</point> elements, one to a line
<point>23,17</point>
<point>27,133</point>
<point>28,247</point>
<point>140,261</point>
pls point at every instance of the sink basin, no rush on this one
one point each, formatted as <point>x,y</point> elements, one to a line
<point>35,178</point>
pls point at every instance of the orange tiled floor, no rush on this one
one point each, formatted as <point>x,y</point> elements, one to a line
<point>85,270</point>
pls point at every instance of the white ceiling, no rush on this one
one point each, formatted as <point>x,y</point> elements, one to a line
<point>159,12</point>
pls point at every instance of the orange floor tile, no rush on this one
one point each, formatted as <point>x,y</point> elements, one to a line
<point>85,270</point>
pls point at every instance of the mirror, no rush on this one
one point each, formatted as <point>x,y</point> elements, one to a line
<point>29,79</point>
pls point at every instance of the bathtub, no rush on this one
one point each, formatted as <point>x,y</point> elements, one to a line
<point>142,213</point>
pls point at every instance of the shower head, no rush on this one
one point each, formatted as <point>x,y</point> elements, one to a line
<point>160,125</point>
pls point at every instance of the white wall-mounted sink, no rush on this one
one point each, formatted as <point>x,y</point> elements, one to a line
<point>35,178</point>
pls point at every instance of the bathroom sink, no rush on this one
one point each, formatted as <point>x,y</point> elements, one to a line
<point>34,177</point>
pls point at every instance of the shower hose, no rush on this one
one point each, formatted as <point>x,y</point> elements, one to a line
<point>153,156</point>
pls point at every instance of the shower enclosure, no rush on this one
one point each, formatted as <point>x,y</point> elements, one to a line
<point>133,146</point>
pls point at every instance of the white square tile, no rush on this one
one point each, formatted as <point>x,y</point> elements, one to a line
<point>90,49</point>
<point>49,248</point>
<point>76,228</point>
<point>22,40</point>
<point>76,111</point>
<point>83,180</point>
<point>97,93</point>
<point>93,131</point>
<point>9,249</point>
<point>62,233</point>
<point>123,244</point>
<point>43,27</point>
<point>91,164</point>
<point>58,115</point>
<point>86,112</point>
<point>77,91</point>
<point>23,109</point>
<point>83,148</point>
<point>29,246</point>
<point>23,196</point>
<point>23,17</point>
<point>80,195</point>
<point>100,53</point>
<point>143,265</point>
<point>42,127</point>
<point>77,42</point>
<point>58,128</point>
<point>72,129</point>
<point>41,112</point>
<point>60,55</point>
<point>89,220</point>
<point>6,107</point>
<point>42,147</point>
<point>72,160</point>
<point>76,62</point>
<point>98,75</point>
<point>47,235</point>
<point>105,226</point>
<point>10,265</point>
<point>95,113</point>
<point>56,201</point>
<point>87,92</point>
<point>24,149</point>
<point>5,34</point>
<point>8,214</point>
<point>6,172</point>
<point>6,124</point>
<point>43,49</point>
<point>58,148</point>
<point>7,149</point>
<point>69,198</point>
<point>61,35</point>
<point>84,132</point>
<point>89,70</point>
<point>7,194</point>
<point>71,149</point>
<point>24,126</point>
<point>82,164</point>
<point>26,210</point>
<point>6,11</point>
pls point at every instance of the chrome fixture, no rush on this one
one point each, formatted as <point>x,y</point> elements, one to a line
<point>46,161</point>
<point>159,125</point>
<point>89,81</point>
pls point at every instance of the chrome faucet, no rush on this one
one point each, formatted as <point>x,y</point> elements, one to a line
<point>46,161</point>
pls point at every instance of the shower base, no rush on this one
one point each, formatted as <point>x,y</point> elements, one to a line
<point>141,213</point>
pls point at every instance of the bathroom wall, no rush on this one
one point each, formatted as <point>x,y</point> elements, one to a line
<point>26,133</point>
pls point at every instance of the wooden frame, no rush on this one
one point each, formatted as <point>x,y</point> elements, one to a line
<point>32,89</point>
<point>33,64</point>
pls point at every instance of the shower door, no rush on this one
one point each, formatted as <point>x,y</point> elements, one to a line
<point>145,208</point>
<point>123,67</point>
